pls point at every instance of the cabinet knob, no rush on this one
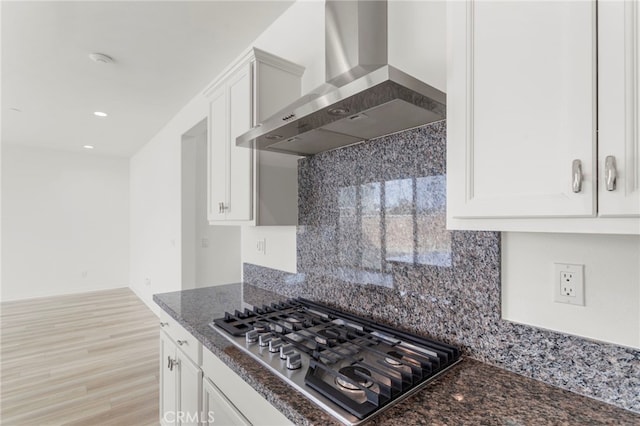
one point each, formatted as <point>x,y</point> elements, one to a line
<point>181,342</point>
<point>610,172</point>
<point>163,324</point>
<point>576,176</point>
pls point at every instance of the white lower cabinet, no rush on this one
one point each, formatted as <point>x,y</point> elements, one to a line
<point>180,385</point>
<point>217,409</point>
<point>168,380</point>
<point>197,388</point>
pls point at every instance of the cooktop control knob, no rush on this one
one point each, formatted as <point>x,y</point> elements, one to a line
<point>274,345</point>
<point>285,350</point>
<point>293,361</point>
<point>251,336</point>
<point>264,339</point>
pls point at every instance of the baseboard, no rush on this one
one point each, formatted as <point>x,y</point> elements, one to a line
<point>66,292</point>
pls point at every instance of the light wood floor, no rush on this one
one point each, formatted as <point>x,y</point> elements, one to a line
<point>84,359</point>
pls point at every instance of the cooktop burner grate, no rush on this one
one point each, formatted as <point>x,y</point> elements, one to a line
<point>352,367</point>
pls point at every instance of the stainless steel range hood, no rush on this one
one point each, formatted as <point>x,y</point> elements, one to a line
<point>364,96</point>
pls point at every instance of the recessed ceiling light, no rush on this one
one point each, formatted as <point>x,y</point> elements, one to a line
<point>101,58</point>
<point>87,146</point>
<point>100,114</point>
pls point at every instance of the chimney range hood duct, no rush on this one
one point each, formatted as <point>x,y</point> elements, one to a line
<point>364,97</point>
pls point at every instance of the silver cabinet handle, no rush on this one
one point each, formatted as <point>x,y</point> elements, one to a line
<point>576,176</point>
<point>220,207</point>
<point>172,363</point>
<point>610,172</point>
<point>162,324</point>
<point>181,342</point>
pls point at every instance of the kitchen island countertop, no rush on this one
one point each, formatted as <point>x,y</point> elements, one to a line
<point>470,393</point>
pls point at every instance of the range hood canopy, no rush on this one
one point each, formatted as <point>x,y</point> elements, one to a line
<point>364,96</point>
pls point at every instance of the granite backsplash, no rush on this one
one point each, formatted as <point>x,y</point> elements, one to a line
<point>372,241</point>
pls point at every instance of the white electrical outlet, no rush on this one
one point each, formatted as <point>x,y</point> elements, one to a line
<point>568,284</point>
<point>261,246</point>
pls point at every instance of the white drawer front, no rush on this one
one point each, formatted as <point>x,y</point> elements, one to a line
<point>183,339</point>
<point>250,403</point>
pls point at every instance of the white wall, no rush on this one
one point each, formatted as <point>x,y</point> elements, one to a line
<point>298,35</point>
<point>155,207</point>
<point>64,222</point>
<point>210,254</point>
<point>277,249</point>
<point>188,213</point>
<point>612,284</point>
<point>217,248</point>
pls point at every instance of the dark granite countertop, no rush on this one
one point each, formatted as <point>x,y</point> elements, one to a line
<point>471,393</point>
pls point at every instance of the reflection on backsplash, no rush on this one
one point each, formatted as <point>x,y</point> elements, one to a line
<point>400,220</point>
<point>368,211</point>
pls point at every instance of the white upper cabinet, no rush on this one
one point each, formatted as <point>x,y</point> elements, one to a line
<point>523,81</point>
<point>522,107</point>
<point>217,154</point>
<point>248,187</point>
<point>239,201</point>
<point>619,110</point>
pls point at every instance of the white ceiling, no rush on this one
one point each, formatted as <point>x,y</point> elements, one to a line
<point>164,52</point>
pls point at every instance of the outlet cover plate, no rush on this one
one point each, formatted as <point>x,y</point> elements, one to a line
<point>577,273</point>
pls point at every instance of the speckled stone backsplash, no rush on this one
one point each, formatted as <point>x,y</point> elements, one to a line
<point>372,241</point>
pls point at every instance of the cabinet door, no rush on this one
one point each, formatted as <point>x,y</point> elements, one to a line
<point>240,177</point>
<point>189,388</point>
<point>521,108</point>
<point>217,409</point>
<point>217,155</point>
<point>168,373</point>
<point>618,96</point>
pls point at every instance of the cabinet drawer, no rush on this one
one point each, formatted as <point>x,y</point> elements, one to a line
<point>253,406</point>
<point>183,339</point>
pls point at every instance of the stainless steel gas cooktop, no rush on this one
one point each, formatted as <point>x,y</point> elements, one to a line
<point>350,367</point>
